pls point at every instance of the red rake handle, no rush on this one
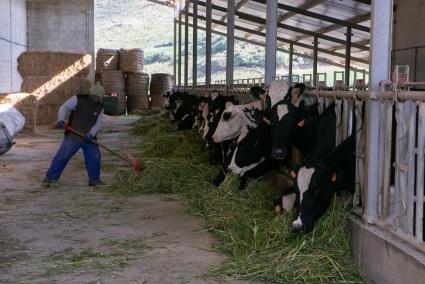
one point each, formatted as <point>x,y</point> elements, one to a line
<point>69,128</point>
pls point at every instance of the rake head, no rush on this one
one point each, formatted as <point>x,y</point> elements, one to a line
<point>135,163</point>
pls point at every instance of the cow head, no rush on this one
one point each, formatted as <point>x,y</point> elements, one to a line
<point>282,123</point>
<point>252,149</point>
<point>315,187</point>
<point>229,125</point>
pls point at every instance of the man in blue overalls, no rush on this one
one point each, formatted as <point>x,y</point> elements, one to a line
<point>86,116</point>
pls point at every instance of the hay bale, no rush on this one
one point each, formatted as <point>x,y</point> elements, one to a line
<point>160,84</point>
<point>26,104</point>
<point>131,60</point>
<point>114,82</point>
<point>54,90</point>
<point>35,63</point>
<point>137,86</point>
<point>107,59</point>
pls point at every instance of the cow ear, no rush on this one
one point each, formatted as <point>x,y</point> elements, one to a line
<point>227,116</point>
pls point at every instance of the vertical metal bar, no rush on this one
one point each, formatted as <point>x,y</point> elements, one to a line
<point>416,64</point>
<point>179,69</point>
<point>420,174</point>
<point>380,65</point>
<point>208,43</point>
<point>271,41</point>
<point>175,49</point>
<point>315,54</point>
<point>195,44</point>
<point>186,44</point>
<point>291,59</point>
<point>411,152</point>
<point>347,56</point>
<point>388,109</point>
<point>230,50</point>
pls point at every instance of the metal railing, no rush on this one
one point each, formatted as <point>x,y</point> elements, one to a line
<point>401,165</point>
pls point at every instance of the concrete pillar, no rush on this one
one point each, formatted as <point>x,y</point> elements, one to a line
<point>179,69</point>
<point>230,51</point>
<point>195,44</point>
<point>291,60</point>
<point>271,41</point>
<point>315,55</point>
<point>380,68</point>
<point>347,56</point>
<point>208,43</point>
<point>186,45</point>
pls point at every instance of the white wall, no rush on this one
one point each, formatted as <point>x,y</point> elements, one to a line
<point>13,41</point>
<point>61,25</point>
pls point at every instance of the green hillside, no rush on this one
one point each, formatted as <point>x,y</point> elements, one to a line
<point>142,24</point>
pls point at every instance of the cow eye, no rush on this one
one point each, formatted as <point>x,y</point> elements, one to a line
<point>227,116</point>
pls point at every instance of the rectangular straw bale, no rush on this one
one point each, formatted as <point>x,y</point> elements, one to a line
<point>35,63</point>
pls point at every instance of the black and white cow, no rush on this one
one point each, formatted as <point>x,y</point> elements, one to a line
<point>315,186</point>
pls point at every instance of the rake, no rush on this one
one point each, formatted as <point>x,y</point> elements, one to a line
<point>130,160</point>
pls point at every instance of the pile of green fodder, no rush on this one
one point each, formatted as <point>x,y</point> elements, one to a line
<point>259,244</point>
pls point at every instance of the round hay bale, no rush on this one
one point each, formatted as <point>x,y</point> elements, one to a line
<point>131,60</point>
<point>137,86</point>
<point>160,84</point>
<point>114,82</point>
<point>107,59</point>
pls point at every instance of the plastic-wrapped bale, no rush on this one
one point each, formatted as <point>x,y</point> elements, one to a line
<point>137,86</point>
<point>35,63</point>
<point>107,59</point>
<point>160,84</point>
<point>114,82</point>
<point>131,60</point>
<point>26,104</point>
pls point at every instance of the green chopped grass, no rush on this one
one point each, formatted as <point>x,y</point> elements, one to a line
<point>259,244</point>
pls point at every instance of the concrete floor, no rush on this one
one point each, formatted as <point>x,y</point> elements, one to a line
<point>73,234</point>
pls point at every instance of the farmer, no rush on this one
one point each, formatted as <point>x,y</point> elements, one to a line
<point>86,116</point>
<point>261,94</point>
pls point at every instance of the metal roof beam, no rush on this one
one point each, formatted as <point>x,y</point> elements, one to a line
<point>303,45</point>
<point>289,15</point>
<point>262,22</point>
<point>237,8</point>
<point>303,11</point>
<point>357,19</point>
<point>363,42</point>
<point>308,56</point>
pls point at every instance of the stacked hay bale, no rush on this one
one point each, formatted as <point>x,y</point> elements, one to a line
<point>137,85</point>
<point>160,84</point>
<point>131,60</point>
<point>113,82</point>
<point>107,59</point>
<point>52,78</point>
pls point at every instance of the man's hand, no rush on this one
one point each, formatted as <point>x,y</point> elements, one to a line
<point>59,124</point>
<point>88,137</point>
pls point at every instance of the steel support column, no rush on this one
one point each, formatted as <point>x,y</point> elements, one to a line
<point>380,67</point>
<point>179,69</point>
<point>230,50</point>
<point>291,60</point>
<point>208,42</point>
<point>195,44</point>
<point>186,45</point>
<point>271,41</point>
<point>175,50</point>
<point>347,57</point>
<point>315,55</point>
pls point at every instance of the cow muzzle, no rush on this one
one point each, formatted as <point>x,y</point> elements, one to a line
<point>279,154</point>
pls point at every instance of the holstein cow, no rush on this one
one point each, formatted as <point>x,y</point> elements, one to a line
<point>315,186</point>
<point>186,111</point>
<point>233,119</point>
